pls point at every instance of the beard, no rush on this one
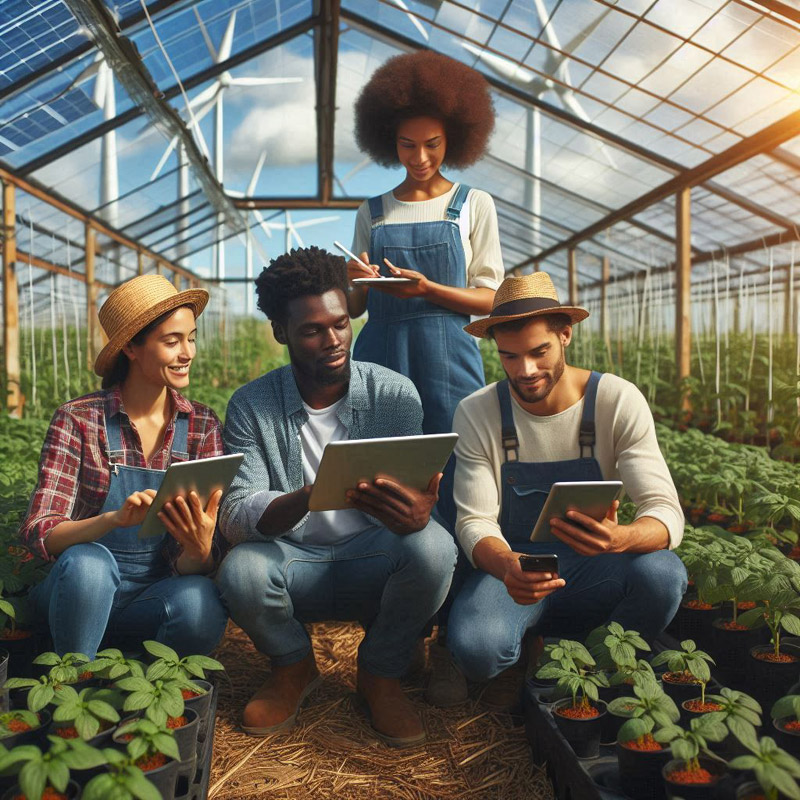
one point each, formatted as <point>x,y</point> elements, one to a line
<point>528,394</point>
<point>328,377</point>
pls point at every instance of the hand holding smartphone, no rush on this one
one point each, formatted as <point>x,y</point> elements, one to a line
<point>546,562</point>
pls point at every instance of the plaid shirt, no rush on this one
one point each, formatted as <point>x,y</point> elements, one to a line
<point>74,474</point>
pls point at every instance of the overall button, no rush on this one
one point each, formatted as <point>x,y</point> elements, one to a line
<point>511,479</point>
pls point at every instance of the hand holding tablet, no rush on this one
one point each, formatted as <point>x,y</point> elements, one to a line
<point>592,498</point>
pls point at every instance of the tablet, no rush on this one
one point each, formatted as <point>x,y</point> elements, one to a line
<point>592,498</point>
<point>411,460</point>
<point>379,281</point>
<point>203,475</point>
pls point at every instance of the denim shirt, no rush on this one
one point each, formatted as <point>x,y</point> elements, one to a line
<point>263,421</point>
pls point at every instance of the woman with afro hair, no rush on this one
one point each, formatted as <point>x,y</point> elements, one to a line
<point>425,111</point>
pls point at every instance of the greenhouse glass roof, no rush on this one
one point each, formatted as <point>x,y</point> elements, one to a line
<point>599,103</point>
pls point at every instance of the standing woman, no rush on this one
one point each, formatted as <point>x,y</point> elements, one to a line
<point>103,458</point>
<point>424,111</point>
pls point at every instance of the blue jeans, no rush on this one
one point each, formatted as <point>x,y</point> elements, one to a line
<point>391,584</point>
<point>639,591</point>
<point>85,602</point>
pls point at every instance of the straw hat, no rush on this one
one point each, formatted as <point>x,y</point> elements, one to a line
<point>134,305</point>
<point>527,296</point>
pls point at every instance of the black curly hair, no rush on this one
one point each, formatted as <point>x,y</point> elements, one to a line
<point>425,84</point>
<point>298,273</point>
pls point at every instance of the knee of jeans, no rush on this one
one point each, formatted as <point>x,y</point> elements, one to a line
<point>661,575</point>
<point>243,576</point>
<point>481,650</point>
<point>91,566</point>
<point>433,553</point>
<point>195,608</point>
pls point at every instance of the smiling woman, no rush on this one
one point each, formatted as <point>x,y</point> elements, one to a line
<point>103,458</point>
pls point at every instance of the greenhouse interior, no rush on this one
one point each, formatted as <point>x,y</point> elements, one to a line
<point>619,241</point>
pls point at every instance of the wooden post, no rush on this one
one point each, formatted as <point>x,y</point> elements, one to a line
<point>177,281</point>
<point>11,304</point>
<point>572,270</point>
<point>139,263</point>
<point>604,326</point>
<point>683,288</point>
<point>93,339</point>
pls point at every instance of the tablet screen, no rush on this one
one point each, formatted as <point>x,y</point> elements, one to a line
<point>592,498</point>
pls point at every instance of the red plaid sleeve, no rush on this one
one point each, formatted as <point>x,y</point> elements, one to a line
<point>54,498</point>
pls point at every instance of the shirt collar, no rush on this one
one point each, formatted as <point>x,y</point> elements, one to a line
<point>356,396</point>
<point>114,403</point>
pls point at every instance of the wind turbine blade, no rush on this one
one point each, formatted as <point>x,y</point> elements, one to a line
<point>263,81</point>
<point>356,169</point>
<point>88,72</point>
<point>209,93</point>
<point>502,66</point>
<point>164,158</point>
<point>573,104</point>
<point>263,223</point>
<point>227,40</point>
<point>206,37</point>
<point>414,21</point>
<point>293,232</point>
<point>251,187</point>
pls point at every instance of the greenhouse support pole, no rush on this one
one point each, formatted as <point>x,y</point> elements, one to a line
<point>604,332</point>
<point>10,303</point>
<point>139,262</point>
<point>92,323</point>
<point>683,287</point>
<point>572,267</point>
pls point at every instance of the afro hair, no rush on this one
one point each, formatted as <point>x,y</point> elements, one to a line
<point>425,84</point>
<point>298,273</point>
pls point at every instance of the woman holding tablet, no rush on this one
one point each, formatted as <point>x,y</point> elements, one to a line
<point>103,458</point>
<point>424,111</point>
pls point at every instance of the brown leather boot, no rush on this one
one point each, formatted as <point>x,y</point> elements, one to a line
<point>275,705</point>
<point>393,716</point>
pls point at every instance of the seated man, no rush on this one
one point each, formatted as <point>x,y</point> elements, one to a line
<point>384,562</point>
<point>549,422</point>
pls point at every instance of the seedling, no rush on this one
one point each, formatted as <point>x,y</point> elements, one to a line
<point>688,661</point>
<point>40,770</point>
<point>740,713</point>
<point>569,665</point>
<point>68,668</point>
<point>87,711</point>
<point>41,691</point>
<point>124,781</point>
<point>778,609</point>
<point>776,771</point>
<point>615,648</point>
<point>650,709</point>
<point>112,665</point>
<point>14,722</point>
<point>686,745</point>
<point>788,706</point>
<point>148,739</point>
<point>168,664</point>
<point>159,699</point>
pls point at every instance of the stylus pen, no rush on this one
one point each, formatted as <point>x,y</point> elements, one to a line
<point>353,256</point>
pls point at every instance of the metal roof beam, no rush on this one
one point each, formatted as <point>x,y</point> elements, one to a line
<point>766,139</point>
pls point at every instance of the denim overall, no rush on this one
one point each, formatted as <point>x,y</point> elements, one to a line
<point>140,561</point>
<point>422,340</point>
<point>527,484</point>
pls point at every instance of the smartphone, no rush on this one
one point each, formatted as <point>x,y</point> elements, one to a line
<point>546,562</point>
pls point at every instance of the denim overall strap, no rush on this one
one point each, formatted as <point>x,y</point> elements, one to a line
<point>526,484</point>
<point>457,202</point>
<point>376,209</point>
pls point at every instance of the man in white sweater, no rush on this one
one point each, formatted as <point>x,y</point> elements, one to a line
<point>548,422</point>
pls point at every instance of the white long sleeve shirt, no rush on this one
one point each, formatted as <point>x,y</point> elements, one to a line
<point>626,449</point>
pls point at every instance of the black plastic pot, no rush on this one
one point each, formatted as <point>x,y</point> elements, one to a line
<point>609,727</point>
<point>768,681</point>
<point>788,740</point>
<point>687,713</point>
<point>686,791</point>
<point>186,736</point>
<point>28,737</point>
<point>102,739</point>
<point>201,705</point>
<point>730,650</point>
<point>583,735</point>
<point>678,691</point>
<point>164,779</point>
<point>693,623</point>
<point>750,791</point>
<point>73,792</point>
<point>640,771</point>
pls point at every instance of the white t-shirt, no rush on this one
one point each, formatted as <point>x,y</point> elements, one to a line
<point>480,238</point>
<point>626,449</point>
<point>325,527</point>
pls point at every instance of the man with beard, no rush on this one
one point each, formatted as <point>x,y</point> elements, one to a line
<point>383,562</point>
<point>550,421</point>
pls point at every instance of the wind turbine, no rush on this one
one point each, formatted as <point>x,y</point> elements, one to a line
<point>211,99</point>
<point>556,65</point>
